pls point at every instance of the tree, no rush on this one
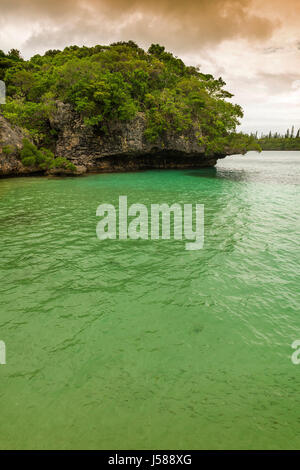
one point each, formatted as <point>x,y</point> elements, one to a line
<point>14,54</point>
<point>104,84</point>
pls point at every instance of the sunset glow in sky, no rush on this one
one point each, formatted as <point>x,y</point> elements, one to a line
<point>254,45</point>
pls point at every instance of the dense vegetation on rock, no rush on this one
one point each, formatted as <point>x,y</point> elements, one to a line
<point>8,61</point>
<point>276,141</point>
<point>42,158</point>
<point>113,83</point>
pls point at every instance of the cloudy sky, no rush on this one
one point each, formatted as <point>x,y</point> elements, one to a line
<point>253,44</point>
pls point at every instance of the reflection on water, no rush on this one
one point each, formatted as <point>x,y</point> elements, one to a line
<point>265,167</point>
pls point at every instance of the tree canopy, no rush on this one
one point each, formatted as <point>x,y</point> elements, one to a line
<point>105,83</point>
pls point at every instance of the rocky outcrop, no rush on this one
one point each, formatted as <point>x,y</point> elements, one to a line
<point>10,144</point>
<point>124,146</point>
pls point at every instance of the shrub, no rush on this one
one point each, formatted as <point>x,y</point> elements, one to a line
<point>29,153</point>
<point>7,149</point>
<point>61,162</point>
<point>42,158</point>
<point>28,161</point>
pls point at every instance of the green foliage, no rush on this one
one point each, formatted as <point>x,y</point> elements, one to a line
<point>8,61</point>
<point>28,161</point>
<point>61,162</point>
<point>34,117</point>
<point>42,158</point>
<point>7,150</point>
<point>29,153</point>
<point>109,83</point>
<point>276,141</point>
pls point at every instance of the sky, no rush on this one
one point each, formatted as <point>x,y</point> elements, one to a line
<point>254,45</point>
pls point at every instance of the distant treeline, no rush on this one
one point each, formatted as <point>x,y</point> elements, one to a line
<point>288,141</point>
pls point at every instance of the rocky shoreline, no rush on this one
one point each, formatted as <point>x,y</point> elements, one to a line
<point>122,148</point>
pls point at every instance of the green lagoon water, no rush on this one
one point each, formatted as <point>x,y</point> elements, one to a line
<point>142,344</point>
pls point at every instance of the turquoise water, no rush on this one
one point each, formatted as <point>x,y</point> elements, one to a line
<point>142,344</point>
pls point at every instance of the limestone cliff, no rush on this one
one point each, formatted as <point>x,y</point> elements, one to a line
<point>122,148</point>
<point>10,144</point>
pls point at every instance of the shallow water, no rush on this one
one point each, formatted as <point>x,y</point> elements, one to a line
<point>142,344</point>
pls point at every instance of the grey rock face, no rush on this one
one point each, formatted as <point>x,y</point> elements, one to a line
<point>10,143</point>
<point>124,146</point>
